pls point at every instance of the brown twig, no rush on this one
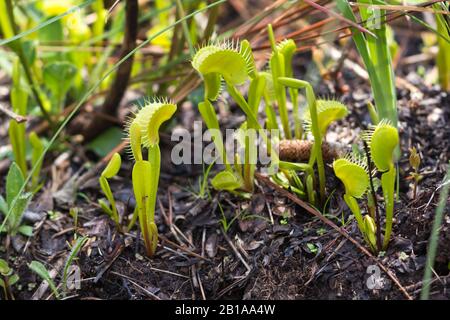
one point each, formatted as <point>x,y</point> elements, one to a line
<point>12,115</point>
<point>317,214</point>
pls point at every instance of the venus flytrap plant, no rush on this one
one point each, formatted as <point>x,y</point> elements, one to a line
<point>353,173</point>
<point>109,172</point>
<point>143,130</point>
<point>216,62</point>
<point>356,174</point>
<point>383,140</point>
<point>232,63</point>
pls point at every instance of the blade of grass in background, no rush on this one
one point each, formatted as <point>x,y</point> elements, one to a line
<point>91,91</point>
<point>376,57</point>
<point>443,57</point>
<point>434,237</point>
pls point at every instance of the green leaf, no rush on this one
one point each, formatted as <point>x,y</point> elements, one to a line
<point>213,85</point>
<point>5,270</point>
<point>110,210</point>
<point>14,181</point>
<point>255,92</point>
<point>13,279</point>
<point>105,142</point>
<point>328,111</point>
<point>224,59</point>
<point>38,268</point>
<point>370,230</point>
<point>354,208</point>
<point>3,205</point>
<point>73,253</point>
<point>16,132</point>
<point>151,117</point>
<point>26,230</point>
<point>17,213</point>
<point>105,207</point>
<point>58,77</point>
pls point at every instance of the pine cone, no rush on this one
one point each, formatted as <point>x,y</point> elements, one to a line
<point>300,150</point>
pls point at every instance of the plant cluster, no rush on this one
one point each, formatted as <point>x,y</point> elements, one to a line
<point>231,64</point>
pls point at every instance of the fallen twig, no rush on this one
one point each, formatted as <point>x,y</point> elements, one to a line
<point>12,115</point>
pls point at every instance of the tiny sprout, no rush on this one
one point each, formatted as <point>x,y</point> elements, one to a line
<point>414,159</point>
<point>7,279</point>
<point>414,162</point>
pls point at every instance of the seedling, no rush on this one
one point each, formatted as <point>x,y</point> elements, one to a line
<point>143,130</point>
<point>110,171</point>
<point>7,279</point>
<point>63,288</point>
<point>356,174</point>
<point>414,162</point>
<point>14,181</point>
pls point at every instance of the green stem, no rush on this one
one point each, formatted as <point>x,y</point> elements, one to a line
<point>316,154</point>
<point>388,185</point>
<point>277,68</point>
